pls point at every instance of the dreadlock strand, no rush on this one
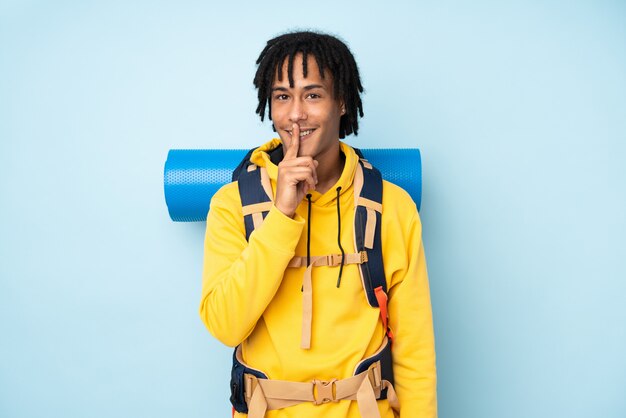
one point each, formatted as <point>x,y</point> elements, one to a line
<point>319,58</point>
<point>292,57</point>
<point>305,55</point>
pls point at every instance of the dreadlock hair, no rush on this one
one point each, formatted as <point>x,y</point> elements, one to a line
<point>330,54</point>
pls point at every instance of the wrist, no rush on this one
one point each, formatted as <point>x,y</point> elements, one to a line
<point>284,211</point>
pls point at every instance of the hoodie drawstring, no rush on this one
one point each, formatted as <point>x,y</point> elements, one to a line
<point>308,235</point>
<point>329,260</point>
<point>343,254</point>
<point>307,287</point>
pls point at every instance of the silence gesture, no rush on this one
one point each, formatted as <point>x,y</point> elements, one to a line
<point>296,176</point>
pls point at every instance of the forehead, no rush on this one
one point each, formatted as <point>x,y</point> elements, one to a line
<point>300,71</point>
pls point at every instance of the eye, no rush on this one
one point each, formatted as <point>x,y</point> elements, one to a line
<point>281,97</point>
<point>313,96</point>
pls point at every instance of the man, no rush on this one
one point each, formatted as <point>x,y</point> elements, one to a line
<point>292,296</point>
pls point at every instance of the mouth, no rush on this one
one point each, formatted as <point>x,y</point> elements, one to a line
<point>304,134</point>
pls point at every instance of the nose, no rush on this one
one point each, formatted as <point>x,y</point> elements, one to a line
<point>297,112</point>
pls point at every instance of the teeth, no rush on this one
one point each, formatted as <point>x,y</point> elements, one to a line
<point>308,131</point>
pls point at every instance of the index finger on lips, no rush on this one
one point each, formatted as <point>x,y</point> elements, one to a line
<point>292,151</point>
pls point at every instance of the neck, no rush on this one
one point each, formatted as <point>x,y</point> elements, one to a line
<point>330,167</point>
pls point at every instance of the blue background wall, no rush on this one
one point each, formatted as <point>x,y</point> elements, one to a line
<point>519,109</point>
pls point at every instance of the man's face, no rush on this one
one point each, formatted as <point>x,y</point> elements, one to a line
<point>310,104</point>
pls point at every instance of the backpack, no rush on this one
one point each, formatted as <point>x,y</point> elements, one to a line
<point>255,191</point>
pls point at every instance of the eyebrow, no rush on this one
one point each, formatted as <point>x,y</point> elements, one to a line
<point>305,88</point>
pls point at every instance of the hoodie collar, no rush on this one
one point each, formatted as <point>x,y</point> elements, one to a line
<point>260,157</point>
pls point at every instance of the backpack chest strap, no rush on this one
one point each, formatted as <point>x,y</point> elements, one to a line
<point>331,260</point>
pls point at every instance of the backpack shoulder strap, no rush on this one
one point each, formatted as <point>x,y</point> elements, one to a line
<point>368,196</point>
<point>255,192</point>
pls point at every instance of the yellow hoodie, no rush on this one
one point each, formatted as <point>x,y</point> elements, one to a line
<point>250,297</point>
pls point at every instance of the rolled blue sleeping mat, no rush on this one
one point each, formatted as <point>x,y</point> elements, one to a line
<point>191,177</point>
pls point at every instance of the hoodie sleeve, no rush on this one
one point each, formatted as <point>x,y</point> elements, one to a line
<point>410,318</point>
<point>239,279</point>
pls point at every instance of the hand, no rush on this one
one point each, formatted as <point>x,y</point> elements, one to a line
<point>296,176</point>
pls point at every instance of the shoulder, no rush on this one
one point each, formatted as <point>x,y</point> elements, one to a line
<point>399,210</point>
<point>225,212</point>
<point>227,199</point>
<point>228,193</point>
<point>396,199</point>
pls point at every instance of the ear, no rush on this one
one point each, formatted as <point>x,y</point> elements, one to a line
<point>342,107</point>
